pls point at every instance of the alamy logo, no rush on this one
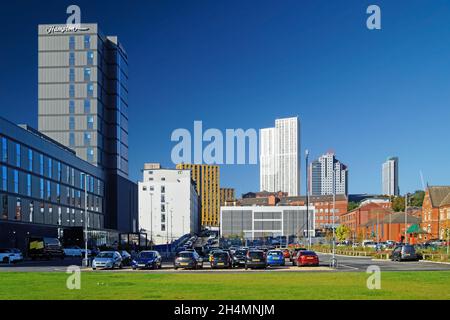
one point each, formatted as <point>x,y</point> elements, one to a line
<point>230,148</point>
<point>73,282</point>
<point>374,280</point>
<point>374,20</point>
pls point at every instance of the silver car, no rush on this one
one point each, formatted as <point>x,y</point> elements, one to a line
<point>107,260</point>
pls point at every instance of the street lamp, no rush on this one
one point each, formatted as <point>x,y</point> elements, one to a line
<point>333,260</point>
<point>307,199</point>
<point>406,210</point>
<point>151,220</point>
<point>86,261</point>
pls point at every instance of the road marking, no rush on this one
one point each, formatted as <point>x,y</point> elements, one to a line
<point>346,266</point>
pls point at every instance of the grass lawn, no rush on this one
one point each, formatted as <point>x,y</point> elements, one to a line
<point>204,286</point>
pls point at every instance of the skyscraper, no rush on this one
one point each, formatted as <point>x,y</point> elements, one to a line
<point>83,94</point>
<point>390,177</point>
<point>279,157</point>
<point>321,176</point>
<point>83,104</point>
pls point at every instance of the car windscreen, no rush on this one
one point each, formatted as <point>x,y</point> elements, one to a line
<point>147,255</point>
<point>240,252</point>
<point>256,254</point>
<point>275,253</point>
<point>186,255</point>
<point>408,249</point>
<point>220,255</point>
<point>105,255</point>
<point>308,253</point>
<point>52,241</point>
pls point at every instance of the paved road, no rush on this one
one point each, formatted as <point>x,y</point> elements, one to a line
<point>345,264</point>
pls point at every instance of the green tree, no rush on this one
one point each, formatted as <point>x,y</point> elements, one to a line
<point>398,203</point>
<point>342,232</point>
<point>352,205</point>
<point>417,198</point>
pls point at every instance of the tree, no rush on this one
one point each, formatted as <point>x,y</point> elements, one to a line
<point>417,198</point>
<point>352,205</point>
<point>342,232</point>
<point>398,203</point>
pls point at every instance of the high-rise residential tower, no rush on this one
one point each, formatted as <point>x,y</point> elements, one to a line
<point>279,157</point>
<point>321,176</point>
<point>390,177</point>
<point>83,93</point>
<point>207,179</point>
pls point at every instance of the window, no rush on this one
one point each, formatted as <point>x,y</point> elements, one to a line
<point>87,106</point>
<point>90,122</point>
<point>163,218</point>
<point>4,206</point>
<point>58,165</point>
<point>72,123</point>
<point>163,198</point>
<point>50,167</point>
<point>71,58</point>
<point>90,89</point>
<point>71,107</point>
<point>87,74</point>
<point>4,149</point>
<point>87,139</point>
<point>30,160</point>
<point>41,188</point>
<point>72,139</point>
<point>163,227</point>
<point>87,41</point>
<point>90,154</point>
<point>71,74</point>
<point>90,57</point>
<point>4,178</point>
<point>18,155</point>
<point>163,208</point>
<point>72,91</point>
<point>49,191</point>
<point>29,185</point>
<point>72,42</point>
<point>16,181</point>
<point>18,215</point>
<point>41,164</point>
<point>163,189</point>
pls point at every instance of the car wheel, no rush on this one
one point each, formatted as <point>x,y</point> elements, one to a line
<point>120,266</point>
<point>154,266</point>
<point>176,268</point>
<point>94,268</point>
<point>5,260</point>
<point>246,267</point>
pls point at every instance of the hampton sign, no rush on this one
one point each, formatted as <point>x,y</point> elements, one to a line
<point>65,29</point>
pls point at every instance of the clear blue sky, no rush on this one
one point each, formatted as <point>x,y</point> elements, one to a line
<point>365,94</point>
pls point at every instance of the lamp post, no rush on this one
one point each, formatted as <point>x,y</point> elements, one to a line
<point>167,229</point>
<point>406,210</point>
<point>307,199</point>
<point>86,261</point>
<point>151,220</point>
<point>334,261</point>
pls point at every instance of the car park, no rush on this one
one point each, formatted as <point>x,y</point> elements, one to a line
<point>150,259</point>
<point>255,259</point>
<point>221,259</point>
<point>404,253</point>
<point>275,258</point>
<point>8,255</point>
<point>306,258</point>
<point>107,260</point>
<point>188,260</point>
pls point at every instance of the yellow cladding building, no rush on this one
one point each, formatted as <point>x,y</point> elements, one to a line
<point>226,194</point>
<point>207,178</point>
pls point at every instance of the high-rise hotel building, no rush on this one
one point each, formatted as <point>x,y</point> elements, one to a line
<point>279,157</point>
<point>83,94</point>
<point>326,172</point>
<point>207,179</point>
<point>83,104</point>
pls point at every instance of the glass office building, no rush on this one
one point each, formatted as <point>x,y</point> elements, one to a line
<point>42,189</point>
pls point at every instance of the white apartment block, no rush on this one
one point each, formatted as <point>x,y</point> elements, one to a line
<point>326,169</point>
<point>390,177</point>
<point>168,204</point>
<point>279,157</point>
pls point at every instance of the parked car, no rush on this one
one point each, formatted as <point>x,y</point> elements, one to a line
<point>275,258</point>
<point>211,252</point>
<point>369,244</point>
<point>75,251</point>
<point>126,258</point>
<point>239,257</point>
<point>306,258</point>
<point>147,260</point>
<point>221,259</point>
<point>403,253</point>
<point>188,260</point>
<point>107,260</point>
<point>255,259</point>
<point>43,247</point>
<point>295,251</point>
<point>286,253</point>
<point>8,255</point>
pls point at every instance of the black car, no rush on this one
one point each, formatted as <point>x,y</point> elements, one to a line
<point>255,259</point>
<point>147,260</point>
<point>126,258</point>
<point>47,248</point>
<point>404,253</point>
<point>239,257</point>
<point>188,260</point>
<point>221,259</point>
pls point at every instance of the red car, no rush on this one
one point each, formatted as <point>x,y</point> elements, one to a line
<point>286,253</point>
<point>306,258</point>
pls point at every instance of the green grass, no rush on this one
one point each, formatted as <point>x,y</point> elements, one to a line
<point>204,286</point>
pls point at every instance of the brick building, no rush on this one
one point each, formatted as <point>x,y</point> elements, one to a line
<point>436,212</point>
